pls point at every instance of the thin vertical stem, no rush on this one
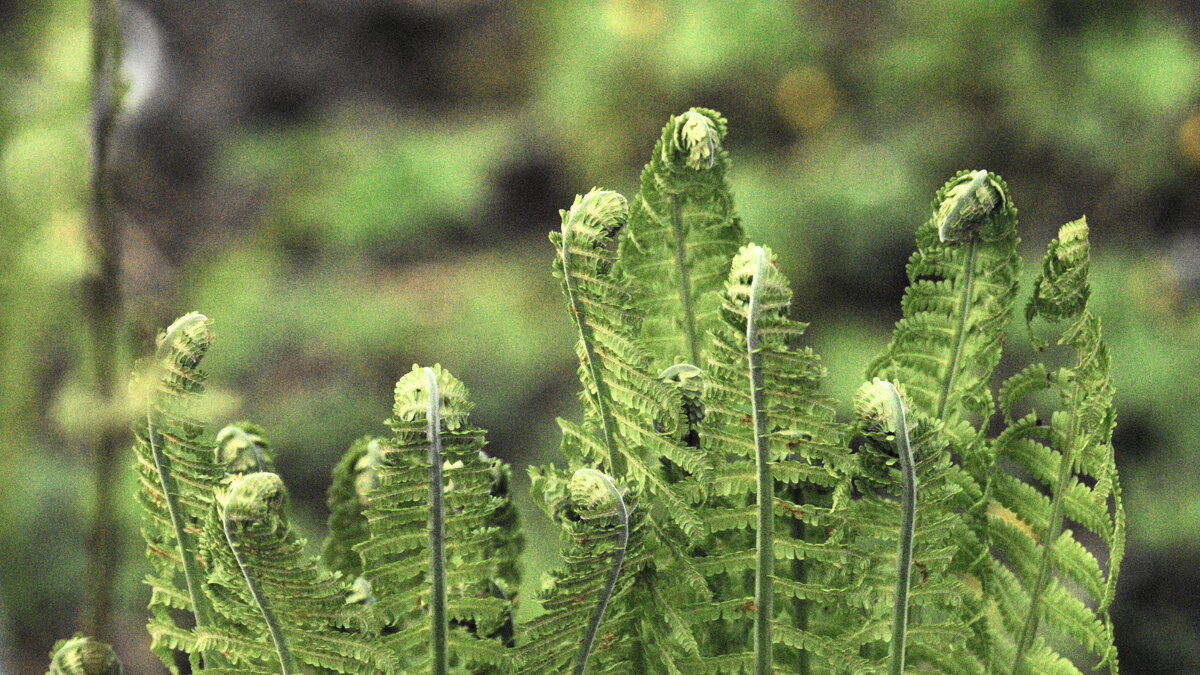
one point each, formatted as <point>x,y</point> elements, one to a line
<point>908,505</point>
<point>764,586</point>
<point>439,652</point>
<point>685,289</point>
<point>589,635</point>
<point>102,307</point>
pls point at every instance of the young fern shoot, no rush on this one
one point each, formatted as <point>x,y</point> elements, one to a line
<point>593,493</point>
<point>83,656</point>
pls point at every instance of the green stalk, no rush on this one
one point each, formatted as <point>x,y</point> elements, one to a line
<point>1053,530</point>
<point>685,290</point>
<point>616,462</point>
<point>764,587</point>
<point>908,505</point>
<point>102,309</point>
<point>589,635</point>
<point>287,664</point>
<point>960,332</point>
<point>440,629</point>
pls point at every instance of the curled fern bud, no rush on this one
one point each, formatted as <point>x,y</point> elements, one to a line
<point>83,656</point>
<point>697,139</point>
<point>241,448</point>
<point>968,201</point>
<point>1062,291</point>
<point>875,405</point>
<point>412,399</point>
<point>594,494</point>
<point>361,592</point>
<point>254,499</point>
<point>188,339</point>
<point>596,216</point>
<point>366,471</point>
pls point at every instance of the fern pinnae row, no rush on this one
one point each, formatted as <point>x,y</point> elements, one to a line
<point>437,532</point>
<point>609,491</point>
<point>765,563</point>
<point>249,498</point>
<point>83,656</point>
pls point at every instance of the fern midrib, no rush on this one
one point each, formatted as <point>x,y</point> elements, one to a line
<point>589,635</point>
<point>616,463</point>
<point>907,526</point>
<point>960,331</point>
<point>191,572</point>
<point>287,664</point>
<point>440,628</point>
<point>685,290</point>
<point>1053,530</point>
<point>765,557</point>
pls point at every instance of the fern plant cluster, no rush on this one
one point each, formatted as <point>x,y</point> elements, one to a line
<point>716,515</point>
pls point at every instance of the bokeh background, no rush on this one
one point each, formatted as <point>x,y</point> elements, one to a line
<point>350,187</point>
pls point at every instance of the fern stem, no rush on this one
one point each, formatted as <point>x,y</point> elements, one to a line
<point>440,629</point>
<point>287,664</point>
<point>1053,529</point>
<point>799,575</point>
<point>616,463</point>
<point>166,482</point>
<point>960,331</point>
<point>589,634</point>
<point>685,290</point>
<point>908,505</point>
<point>102,291</point>
<point>765,543</point>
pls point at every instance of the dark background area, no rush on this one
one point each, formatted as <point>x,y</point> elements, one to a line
<point>350,187</point>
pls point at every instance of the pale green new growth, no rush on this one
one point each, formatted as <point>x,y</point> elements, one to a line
<point>83,656</point>
<point>715,516</point>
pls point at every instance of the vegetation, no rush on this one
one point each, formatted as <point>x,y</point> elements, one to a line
<point>715,513</point>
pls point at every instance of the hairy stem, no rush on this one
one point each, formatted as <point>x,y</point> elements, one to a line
<point>685,290</point>
<point>616,463</point>
<point>1049,538</point>
<point>287,664</point>
<point>439,633</point>
<point>764,587</point>
<point>908,505</point>
<point>589,634</point>
<point>102,307</point>
<point>960,332</point>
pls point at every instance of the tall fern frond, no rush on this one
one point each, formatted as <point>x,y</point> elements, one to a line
<point>397,555</point>
<point>354,477</point>
<point>274,608</point>
<point>177,471</point>
<point>1057,584</point>
<point>681,236</point>
<point>781,459</point>
<point>630,414</point>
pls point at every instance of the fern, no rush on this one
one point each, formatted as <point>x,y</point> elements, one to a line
<point>83,656</point>
<point>1069,474</point>
<point>682,234</point>
<point>401,554</point>
<point>354,477</point>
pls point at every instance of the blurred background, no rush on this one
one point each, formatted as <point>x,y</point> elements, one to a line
<point>347,188</point>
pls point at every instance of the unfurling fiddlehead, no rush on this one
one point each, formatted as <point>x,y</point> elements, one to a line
<point>83,656</point>
<point>596,496</point>
<point>881,407</point>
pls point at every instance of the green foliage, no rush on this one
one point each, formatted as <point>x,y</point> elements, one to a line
<point>83,656</point>
<point>715,515</point>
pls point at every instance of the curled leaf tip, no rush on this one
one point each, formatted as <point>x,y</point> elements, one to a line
<point>412,398</point>
<point>598,214</point>
<point>83,656</point>
<point>366,471</point>
<point>242,449</point>
<point>875,404</point>
<point>697,139</point>
<point>594,493</point>
<point>1061,290</point>
<point>254,498</point>
<point>188,336</point>
<point>361,592</point>
<point>968,200</point>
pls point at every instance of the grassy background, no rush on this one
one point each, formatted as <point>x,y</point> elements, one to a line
<point>348,188</point>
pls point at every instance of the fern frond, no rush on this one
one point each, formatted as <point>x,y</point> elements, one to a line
<point>682,233</point>
<point>274,607</point>
<point>177,471</point>
<point>354,476</point>
<point>1051,576</point>
<point>782,460</point>
<point>83,656</point>
<point>631,413</point>
<point>242,449</point>
<point>397,554</point>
